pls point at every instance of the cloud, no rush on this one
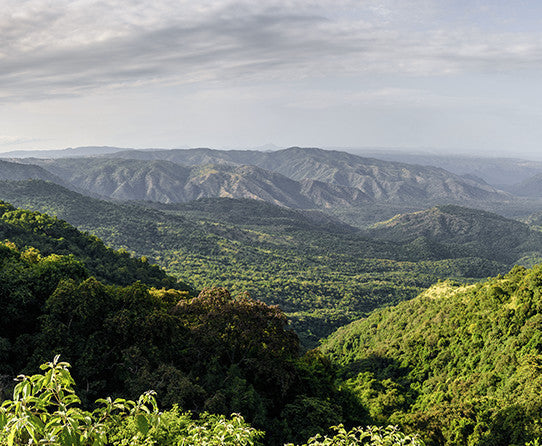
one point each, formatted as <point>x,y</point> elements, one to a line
<point>388,98</point>
<point>6,140</point>
<point>68,47</point>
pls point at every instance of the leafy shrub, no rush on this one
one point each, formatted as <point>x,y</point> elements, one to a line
<point>45,410</point>
<point>369,436</point>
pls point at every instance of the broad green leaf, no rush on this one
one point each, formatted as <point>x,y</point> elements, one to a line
<point>142,424</point>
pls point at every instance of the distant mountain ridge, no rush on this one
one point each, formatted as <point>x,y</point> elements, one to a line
<point>168,182</point>
<point>379,180</point>
<point>500,172</point>
<point>303,178</point>
<point>530,187</point>
<point>69,152</point>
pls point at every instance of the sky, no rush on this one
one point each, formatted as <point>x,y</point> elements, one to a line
<point>455,76</point>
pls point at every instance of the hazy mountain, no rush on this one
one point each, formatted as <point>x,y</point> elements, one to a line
<point>20,171</point>
<point>168,182</point>
<point>62,153</point>
<point>468,231</point>
<point>378,180</point>
<point>531,187</point>
<point>122,179</point>
<point>296,177</point>
<point>499,172</point>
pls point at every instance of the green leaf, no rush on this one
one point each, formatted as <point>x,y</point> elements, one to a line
<point>11,437</point>
<point>142,423</point>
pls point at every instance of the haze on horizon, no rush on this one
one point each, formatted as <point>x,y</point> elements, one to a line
<point>446,77</point>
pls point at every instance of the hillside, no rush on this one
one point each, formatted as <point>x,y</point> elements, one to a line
<point>530,187</point>
<point>321,272</point>
<point>20,171</point>
<point>468,231</point>
<point>52,236</point>
<point>459,363</point>
<point>212,352</point>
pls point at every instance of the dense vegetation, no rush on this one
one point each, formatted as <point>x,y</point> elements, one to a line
<point>46,410</point>
<point>461,364</point>
<point>323,273</point>
<point>48,235</point>
<point>213,352</point>
<point>467,232</point>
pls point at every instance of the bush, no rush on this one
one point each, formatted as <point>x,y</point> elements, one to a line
<point>369,436</point>
<point>45,410</point>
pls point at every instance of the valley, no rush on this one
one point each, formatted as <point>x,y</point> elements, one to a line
<point>322,272</point>
<point>312,288</point>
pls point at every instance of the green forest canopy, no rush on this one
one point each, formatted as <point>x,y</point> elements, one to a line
<point>460,363</point>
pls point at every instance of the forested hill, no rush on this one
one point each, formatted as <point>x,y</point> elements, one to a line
<point>459,363</point>
<point>45,235</point>
<point>469,231</point>
<point>20,171</point>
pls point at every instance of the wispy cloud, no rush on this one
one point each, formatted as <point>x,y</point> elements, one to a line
<point>67,47</point>
<point>6,140</point>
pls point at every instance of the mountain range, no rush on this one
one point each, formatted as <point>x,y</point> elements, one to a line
<point>380,180</point>
<point>303,178</point>
<point>69,152</point>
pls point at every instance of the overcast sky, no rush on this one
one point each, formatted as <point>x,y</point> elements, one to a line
<point>456,75</point>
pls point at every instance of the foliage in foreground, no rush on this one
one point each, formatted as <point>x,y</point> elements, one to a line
<point>213,353</point>
<point>46,410</point>
<point>369,436</point>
